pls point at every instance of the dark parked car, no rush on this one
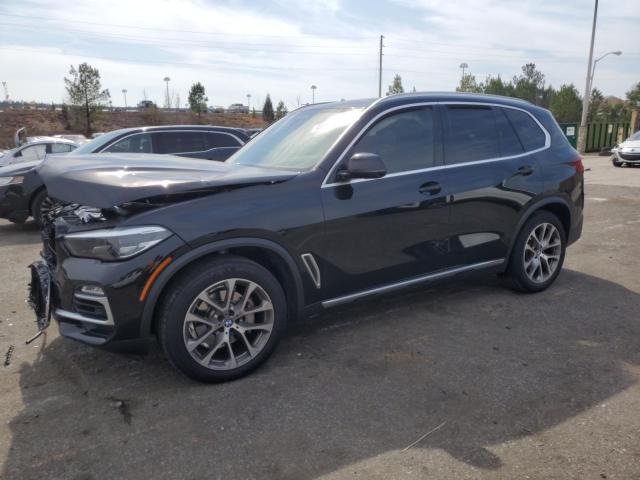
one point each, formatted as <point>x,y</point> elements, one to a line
<point>22,193</point>
<point>333,203</point>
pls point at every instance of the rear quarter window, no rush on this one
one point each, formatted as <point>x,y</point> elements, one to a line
<point>220,140</point>
<point>528,131</point>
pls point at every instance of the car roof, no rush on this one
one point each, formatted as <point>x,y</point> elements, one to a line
<point>406,98</point>
<point>45,139</point>
<point>177,128</point>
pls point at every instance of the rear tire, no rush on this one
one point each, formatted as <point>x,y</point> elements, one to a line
<point>212,337</point>
<point>538,254</point>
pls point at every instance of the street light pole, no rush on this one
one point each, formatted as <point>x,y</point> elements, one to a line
<point>167,101</point>
<point>124,92</point>
<point>464,66</point>
<point>582,131</point>
<point>249,101</point>
<point>595,62</point>
<point>313,94</point>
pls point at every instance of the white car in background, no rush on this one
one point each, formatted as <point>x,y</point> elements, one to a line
<point>36,149</point>
<point>627,152</point>
<point>77,138</point>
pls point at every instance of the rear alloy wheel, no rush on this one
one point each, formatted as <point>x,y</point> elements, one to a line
<point>221,319</point>
<point>41,207</point>
<point>538,255</point>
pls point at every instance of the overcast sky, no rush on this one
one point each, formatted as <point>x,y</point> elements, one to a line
<point>240,47</point>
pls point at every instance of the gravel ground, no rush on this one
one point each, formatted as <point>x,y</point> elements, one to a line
<point>520,386</point>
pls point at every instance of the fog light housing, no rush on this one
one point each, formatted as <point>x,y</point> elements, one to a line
<point>92,290</point>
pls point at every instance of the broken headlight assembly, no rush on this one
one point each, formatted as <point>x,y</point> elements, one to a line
<point>113,244</point>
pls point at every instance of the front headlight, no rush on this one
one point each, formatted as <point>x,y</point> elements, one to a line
<point>10,180</point>
<point>112,244</point>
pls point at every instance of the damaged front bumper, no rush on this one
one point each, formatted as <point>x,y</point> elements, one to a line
<point>93,301</point>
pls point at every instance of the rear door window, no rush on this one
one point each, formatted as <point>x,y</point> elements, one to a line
<point>219,140</point>
<point>510,144</point>
<point>471,134</point>
<point>529,132</point>
<point>181,142</point>
<point>137,143</point>
<point>404,141</point>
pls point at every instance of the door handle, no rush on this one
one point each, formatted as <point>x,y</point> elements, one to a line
<point>430,188</point>
<point>525,170</point>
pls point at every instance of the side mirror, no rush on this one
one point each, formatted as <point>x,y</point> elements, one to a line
<point>362,165</point>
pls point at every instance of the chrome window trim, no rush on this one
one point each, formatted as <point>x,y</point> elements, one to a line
<point>412,281</point>
<point>326,184</point>
<point>241,143</point>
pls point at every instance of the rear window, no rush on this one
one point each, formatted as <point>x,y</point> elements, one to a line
<point>471,134</point>
<point>529,132</point>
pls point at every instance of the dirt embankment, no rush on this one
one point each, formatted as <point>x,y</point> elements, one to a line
<point>48,122</point>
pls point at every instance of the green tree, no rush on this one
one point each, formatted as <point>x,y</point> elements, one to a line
<point>495,86</point>
<point>566,104</point>
<point>85,93</point>
<point>253,112</point>
<point>529,84</point>
<point>267,110</point>
<point>598,107</point>
<point>468,84</point>
<point>396,87</point>
<point>197,99</point>
<point>617,112</point>
<point>281,110</point>
<point>633,95</point>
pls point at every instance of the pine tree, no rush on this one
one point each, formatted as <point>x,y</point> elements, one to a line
<point>396,86</point>
<point>281,110</point>
<point>267,110</point>
<point>197,99</point>
<point>86,93</point>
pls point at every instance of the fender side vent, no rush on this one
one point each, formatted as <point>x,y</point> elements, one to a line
<point>312,268</point>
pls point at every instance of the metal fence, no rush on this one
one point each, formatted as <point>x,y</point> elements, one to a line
<point>600,135</point>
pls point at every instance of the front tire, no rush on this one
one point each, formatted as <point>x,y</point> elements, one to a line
<point>41,206</point>
<point>220,320</point>
<point>615,162</point>
<point>538,255</point>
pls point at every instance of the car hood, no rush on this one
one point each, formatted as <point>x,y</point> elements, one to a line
<point>20,168</point>
<point>108,180</point>
<point>630,144</point>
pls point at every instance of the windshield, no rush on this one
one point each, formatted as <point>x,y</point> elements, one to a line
<point>297,141</point>
<point>635,136</point>
<point>96,144</point>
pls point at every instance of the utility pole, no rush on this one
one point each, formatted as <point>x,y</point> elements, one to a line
<point>249,101</point>
<point>380,68</point>
<point>582,131</point>
<point>124,92</point>
<point>6,91</point>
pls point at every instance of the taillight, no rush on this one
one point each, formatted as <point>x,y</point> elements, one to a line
<point>578,165</point>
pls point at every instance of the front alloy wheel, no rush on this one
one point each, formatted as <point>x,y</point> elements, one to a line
<point>228,324</point>
<point>221,318</point>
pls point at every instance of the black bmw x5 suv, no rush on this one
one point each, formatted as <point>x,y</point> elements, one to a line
<point>333,203</point>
